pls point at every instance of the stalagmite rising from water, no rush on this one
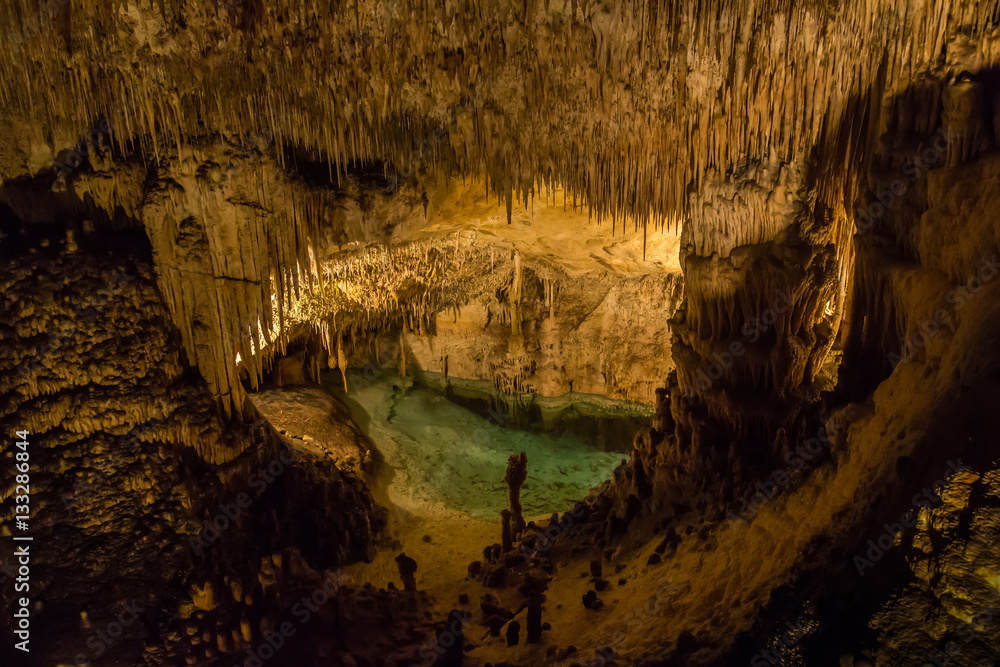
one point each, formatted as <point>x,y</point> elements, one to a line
<point>517,473</point>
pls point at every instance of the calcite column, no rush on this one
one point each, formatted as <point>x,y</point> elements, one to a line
<point>765,275</point>
<point>517,473</point>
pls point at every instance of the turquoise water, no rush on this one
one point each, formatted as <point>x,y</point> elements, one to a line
<point>445,454</point>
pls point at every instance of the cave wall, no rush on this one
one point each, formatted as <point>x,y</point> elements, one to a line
<point>532,306</point>
<point>927,248</point>
<point>680,105</point>
<point>91,371</point>
<point>889,494</point>
<point>910,251</point>
<point>691,113</point>
<point>762,309</point>
<point>758,125</point>
<point>129,456</point>
<point>235,237</point>
<point>607,335</point>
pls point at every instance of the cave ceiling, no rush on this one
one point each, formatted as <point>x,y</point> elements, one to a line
<point>229,129</point>
<point>694,205</point>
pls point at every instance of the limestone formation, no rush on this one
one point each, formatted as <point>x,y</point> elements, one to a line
<point>452,638</point>
<point>506,530</point>
<point>534,619</point>
<point>517,473</point>
<point>513,631</point>
<point>774,223</point>
<point>92,369</point>
<point>407,571</point>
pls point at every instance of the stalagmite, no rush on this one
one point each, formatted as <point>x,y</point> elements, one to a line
<point>452,638</point>
<point>407,571</point>
<point>517,473</point>
<point>513,631</point>
<point>506,531</point>
<point>534,619</point>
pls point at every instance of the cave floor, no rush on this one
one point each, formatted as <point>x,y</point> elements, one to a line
<point>442,481</point>
<point>449,466</point>
<point>441,469</point>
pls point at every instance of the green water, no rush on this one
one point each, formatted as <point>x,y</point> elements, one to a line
<point>443,453</point>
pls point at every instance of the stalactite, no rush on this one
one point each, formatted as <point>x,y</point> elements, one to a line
<point>516,286</point>
<point>356,118</point>
<point>342,359</point>
<point>726,152</point>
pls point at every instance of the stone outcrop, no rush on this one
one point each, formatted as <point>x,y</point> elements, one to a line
<point>134,477</point>
<point>830,169</point>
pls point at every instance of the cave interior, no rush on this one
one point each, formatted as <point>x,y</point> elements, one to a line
<point>582,333</point>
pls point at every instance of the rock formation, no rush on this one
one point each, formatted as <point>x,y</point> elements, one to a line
<point>773,221</point>
<point>506,531</point>
<point>517,473</point>
<point>407,572</point>
<point>92,370</point>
